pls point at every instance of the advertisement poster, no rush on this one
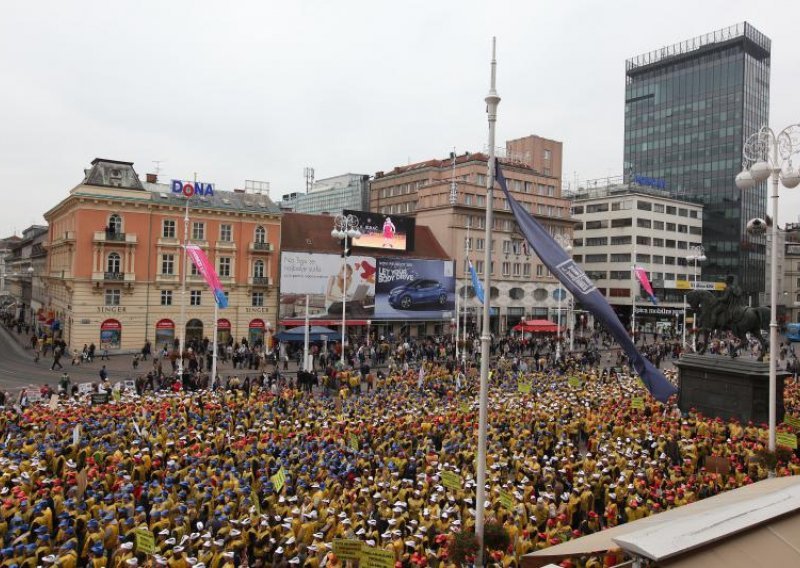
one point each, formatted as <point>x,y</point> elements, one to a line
<point>110,334</point>
<point>327,282</point>
<point>384,231</point>
<point>414,289</point>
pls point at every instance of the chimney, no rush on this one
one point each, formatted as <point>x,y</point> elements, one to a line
<point>152,178</point>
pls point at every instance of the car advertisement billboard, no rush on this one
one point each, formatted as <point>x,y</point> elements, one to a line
<point>322,278</point>
<point>383,231</point>
<point>414,289</point>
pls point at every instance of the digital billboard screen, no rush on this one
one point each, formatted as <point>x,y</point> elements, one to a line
<point>322,278</point>
<point>415,289</point>
<point>383,231</point>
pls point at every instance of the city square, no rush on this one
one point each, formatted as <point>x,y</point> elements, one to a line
<point>472,355</point>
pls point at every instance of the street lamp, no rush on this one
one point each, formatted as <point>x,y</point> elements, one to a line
<point>765,154</point>
<point>564,242</point>
<point>697,254</point>
<point>345,227</point>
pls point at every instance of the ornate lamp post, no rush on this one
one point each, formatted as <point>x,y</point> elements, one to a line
<point>696,254</point>
<point>345,228</point>
<point>768,154</point>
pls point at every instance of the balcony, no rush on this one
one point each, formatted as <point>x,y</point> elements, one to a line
<point>113,277</point>
<point>167,278</point>
<point>168,242</point>
<point>260,281</point>
<point>262,247</point>
<point>225,245</point>
<point>110,237</point>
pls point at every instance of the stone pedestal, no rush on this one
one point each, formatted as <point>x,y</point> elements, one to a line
<point>719,386</point>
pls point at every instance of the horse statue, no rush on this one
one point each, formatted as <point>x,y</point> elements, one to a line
<point>738,320</point>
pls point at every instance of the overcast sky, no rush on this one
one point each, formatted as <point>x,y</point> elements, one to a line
<point>260,90</point>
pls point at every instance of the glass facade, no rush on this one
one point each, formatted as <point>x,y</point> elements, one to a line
<point>688,110</point>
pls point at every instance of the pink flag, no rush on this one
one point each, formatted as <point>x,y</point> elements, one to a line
<point>641,276</point>
<point>205,267</point>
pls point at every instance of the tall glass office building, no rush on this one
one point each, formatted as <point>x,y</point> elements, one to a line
<point>689,108</point>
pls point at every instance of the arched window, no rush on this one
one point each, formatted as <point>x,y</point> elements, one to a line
<point>115,224</point>
<point>261,234</point>
<point>113,263</point>
<point>258,269</point>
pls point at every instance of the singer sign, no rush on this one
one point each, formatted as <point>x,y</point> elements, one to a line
<point>190,188</point>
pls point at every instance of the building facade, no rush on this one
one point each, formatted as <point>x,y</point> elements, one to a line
<point>25,266</point>
<point>330,195</point>
<point>5,250</point>
<point>689,108</point>
<point>449,196</point>
<point>115,262</point>
<point>626,224</point>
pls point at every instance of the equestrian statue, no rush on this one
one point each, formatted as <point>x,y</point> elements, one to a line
<point>727,313</point>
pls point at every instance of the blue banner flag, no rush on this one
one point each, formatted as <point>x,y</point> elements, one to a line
<point>476,284</point>
<point>575,280</point>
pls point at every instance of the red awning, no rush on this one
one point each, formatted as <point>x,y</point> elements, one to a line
<point>536,326</point>
<point>327,322</point>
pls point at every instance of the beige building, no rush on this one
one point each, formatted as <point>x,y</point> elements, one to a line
<point>449,196</point>
<point>115,263</point>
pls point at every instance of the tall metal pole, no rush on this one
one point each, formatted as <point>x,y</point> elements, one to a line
<point>773,304</point>
<point>633,293</point>
<point>571,323</point>
<point>464,347</point>
<point>453,202</point>
<point>492,100</point>
<point>683,335</point>
<point>306,333</point>
<point>182,344</point>
<point>558,335</point>
<point>214,346</point>
<point>344,296</point>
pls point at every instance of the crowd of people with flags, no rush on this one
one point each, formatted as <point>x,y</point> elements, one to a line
<point>283,476</point>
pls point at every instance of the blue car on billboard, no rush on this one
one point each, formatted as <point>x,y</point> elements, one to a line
<point>418,292</point>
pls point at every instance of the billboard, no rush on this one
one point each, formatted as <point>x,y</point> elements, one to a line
<point>322,278</point>
<point>383,231</point>
<point>414,289</point>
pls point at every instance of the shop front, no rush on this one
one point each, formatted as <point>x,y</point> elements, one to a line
<point>194,330</point>
<point>165,334</point>
<point>223,331</point>
<point>110,335</point>
<point>256,330</point>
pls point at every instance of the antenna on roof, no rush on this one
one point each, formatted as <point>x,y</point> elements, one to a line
<point>309,175</point>
<point>158,167</point>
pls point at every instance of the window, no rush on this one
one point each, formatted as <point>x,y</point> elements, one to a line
<point>113,297</point>
<point>257,299</point>
<point>623,240</point>
<point>596,257</point>
<point>113,263</point>
<point>670,243</point>
<point>597,241</point>
<point>224,268</point>
<point>539,270</point>
<point>258,269</point>
<point>480,244</point>
<point>669,260</point>
<point>620,275</point>
<point>643,258</point>
<point>195,297</point>
<point>693,214</point>
<point>506,268</point>
<point>683,229</point>
<point>616,223</point>
<point>658,207</point>
<point>481,201</point>
<point>467,199</point>
<point>577,210</point>
<point>517,269</point>
<point>479,266</point>
<point>643,241</point>
<point>167,264</point>
<point>670,226</point>
<point>225,233</point>
<point>115,224</point>
<point>603,224</point>
<point>198,231</point>
<point>526,269</point>
<point>695,230</point>
<point>597,208</point>
<point>644,223</point>
<point>166,297</point>
<point>622,205</point>
<point>506,247</point>
<point>658,242</point>
<point>671,210</point>
<point>621,257</point>
<point>193,270</point>
<point>597,274</point>
<point>547,154</point>
<point>658,225</point>
<point>577,257</point>
<point>619,292</point>
<point>683,245</point>
<point>644,205</point>
<point>168,229</point>
<point>683,212</point>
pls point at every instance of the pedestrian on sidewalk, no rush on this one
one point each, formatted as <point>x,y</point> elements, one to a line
<point>56,359</point>
<point>103,374</point>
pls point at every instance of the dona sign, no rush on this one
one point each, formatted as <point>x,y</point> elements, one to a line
<point>190,188</point>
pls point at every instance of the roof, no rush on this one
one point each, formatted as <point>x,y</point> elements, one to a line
<point>312,233</point>
<point>112,173</point>
<point>462,159</point>
<point>226,200</point>
<point>764,517</point>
